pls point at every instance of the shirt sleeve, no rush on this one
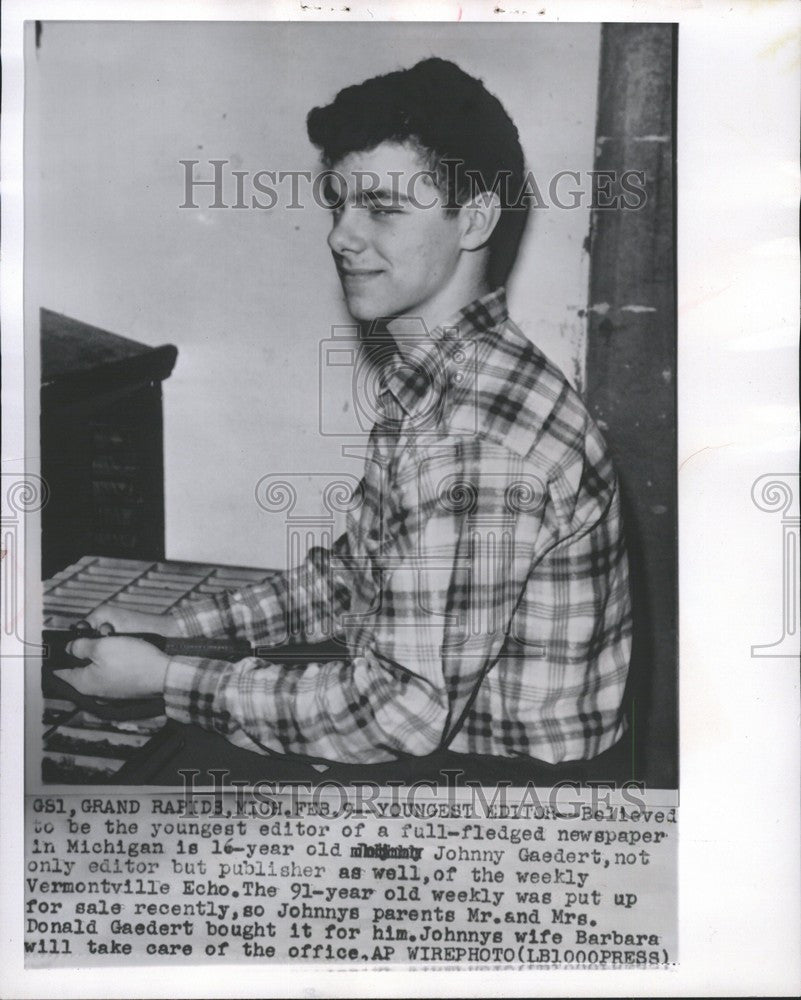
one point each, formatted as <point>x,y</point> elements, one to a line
<point>301,604</point>
<point>458,537</point>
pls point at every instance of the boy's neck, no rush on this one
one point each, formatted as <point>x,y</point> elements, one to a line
<point>435,312</point>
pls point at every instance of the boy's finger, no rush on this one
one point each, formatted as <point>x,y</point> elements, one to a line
<point>82,649</point>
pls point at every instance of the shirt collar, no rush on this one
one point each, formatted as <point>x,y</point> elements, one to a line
<point>480,315</point>
<point>416,381</point>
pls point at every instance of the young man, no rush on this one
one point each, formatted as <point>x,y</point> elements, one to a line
<point>480,591</point>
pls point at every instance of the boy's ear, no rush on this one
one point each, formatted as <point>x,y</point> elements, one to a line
<point>478,219</point>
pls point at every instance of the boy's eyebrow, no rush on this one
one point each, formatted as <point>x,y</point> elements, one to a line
<point>333,194</point>
<point>386,194</point>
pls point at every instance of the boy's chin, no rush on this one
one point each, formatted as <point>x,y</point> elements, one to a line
<point>362,311</point>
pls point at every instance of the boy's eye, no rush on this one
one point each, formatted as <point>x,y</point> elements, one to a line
<point>377,208</point>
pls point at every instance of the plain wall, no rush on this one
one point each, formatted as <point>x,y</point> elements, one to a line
<point>247,296</point>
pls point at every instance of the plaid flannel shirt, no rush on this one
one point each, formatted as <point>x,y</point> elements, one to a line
<point>480,591</point>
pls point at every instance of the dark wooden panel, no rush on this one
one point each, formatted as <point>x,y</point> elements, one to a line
<point>69,346</point>
<point>631,365</point>
<point>101,443</point>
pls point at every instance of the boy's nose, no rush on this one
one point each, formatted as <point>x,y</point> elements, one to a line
<point>346,233</point>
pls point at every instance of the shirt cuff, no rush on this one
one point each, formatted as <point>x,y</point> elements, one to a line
<point>200,616</point>
<point>190,692</point>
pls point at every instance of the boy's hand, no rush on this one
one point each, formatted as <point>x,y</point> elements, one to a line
<point>123,620</point>
<point>120,668</point>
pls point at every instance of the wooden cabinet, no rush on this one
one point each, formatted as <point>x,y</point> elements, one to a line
<point>101,443</point>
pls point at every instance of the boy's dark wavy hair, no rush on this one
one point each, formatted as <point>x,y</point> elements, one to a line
<point>460,129</point>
